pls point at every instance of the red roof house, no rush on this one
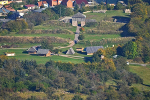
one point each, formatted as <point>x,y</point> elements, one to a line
<point>44,3</point>
<point>79,2</point>
<point>31,6</point>
<point>68,3</point>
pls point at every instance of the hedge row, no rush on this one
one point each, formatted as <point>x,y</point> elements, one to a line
<point>120,40</point>
<point>56,31</point>
<point>19,39</point>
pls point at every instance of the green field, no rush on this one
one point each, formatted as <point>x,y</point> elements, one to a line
<point>40,60</point>
<point>65,36</point>
<point>48,27</point>
<point>144,73</point>
<point>99,37</point>
<point>109,14</point>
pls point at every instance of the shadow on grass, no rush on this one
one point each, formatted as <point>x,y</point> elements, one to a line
<point>65,52</point>
<point>146,85</point>
<point>25,52</point>
<point>121,19</point>
<point>88,59</point>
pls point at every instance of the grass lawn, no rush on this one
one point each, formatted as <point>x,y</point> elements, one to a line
<point>108,14</point>
<point>40,60</point>
<point>47,27</point>
<point>26,95</point>
<point>68,96</point>
<point>144,73</point>
<point>99,37</point>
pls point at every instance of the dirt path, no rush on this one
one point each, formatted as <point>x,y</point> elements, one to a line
<point>74,57</point>
<point>72,43</point>
<point>139,64</point>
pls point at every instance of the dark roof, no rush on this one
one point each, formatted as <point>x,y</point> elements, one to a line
<point>39,10</point>
<point>79,15</point>
<point>42,51</point>
<point>70,51</point>
<point>33,49</point>
<point>93,49</point>
<point>80,1</point>
<point>3,10</point>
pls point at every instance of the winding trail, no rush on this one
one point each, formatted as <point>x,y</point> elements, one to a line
<point>72,43</point>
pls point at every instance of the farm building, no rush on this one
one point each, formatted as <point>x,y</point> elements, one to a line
<point>79,17</point>
<point>79,49</point>
<point>33,50</point>
<point>43,52</point>
<point>92,49</point>
<point>70,51</point>
<point>10,54</point>
<point>127,11</point>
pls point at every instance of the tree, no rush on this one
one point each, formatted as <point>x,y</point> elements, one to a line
<point>130,50</point>
<point>81,37</point>
<point>97,55</point>
<point>146,54</point>
<point>139,10</point>
<point>76,8</point>
<point>17,25</point>
<point>132,2</point>
<point>51,14</point>
<point>46,45</point>
<point>119,6</point>
<point>77,97</point>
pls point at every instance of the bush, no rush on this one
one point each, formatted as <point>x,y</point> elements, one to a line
<point>81,37</point>
<point>81,29</point>
<point>91,24</point>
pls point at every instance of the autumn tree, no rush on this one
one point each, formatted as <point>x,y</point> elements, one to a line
<point>16,25</point>
<point>97,55</point>
<point>130,50</point>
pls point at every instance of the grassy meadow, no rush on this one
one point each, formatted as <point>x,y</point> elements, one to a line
<point>53,25</point>
<point>144,73</point>
<point>109,14</point>
<point>40,59</point>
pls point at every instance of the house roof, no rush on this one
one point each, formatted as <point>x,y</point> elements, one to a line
<point>39,10</point>
<point>3,10</point>
<point>80,1</point>
<point>93,49</point>
<point>31,5</point>
<point>40,3</point>
<point>79,15</point>
<point>42,51</point>
<point>70,51</point>
<point>10,9</point>
<point>33,49</point>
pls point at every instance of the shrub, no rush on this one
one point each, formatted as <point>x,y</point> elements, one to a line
<point>81,37</point>
<point>81,29</point>
<point>91,24</point>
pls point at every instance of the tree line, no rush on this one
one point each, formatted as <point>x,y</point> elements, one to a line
<point>85,78</point>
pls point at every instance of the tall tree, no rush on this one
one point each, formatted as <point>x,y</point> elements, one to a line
<point>130,50</point>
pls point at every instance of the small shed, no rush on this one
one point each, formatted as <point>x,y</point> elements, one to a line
<point>79,49</point>
<point>70,51</point>
<point>10,54</point>
<point>127,11</point>
<point>44,52</point>
<point>92,49</point>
